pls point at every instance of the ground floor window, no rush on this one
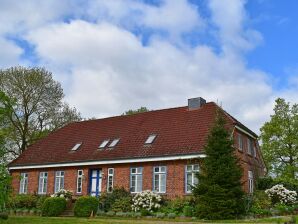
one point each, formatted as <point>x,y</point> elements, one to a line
<point>250,182</point>
<point>24,183</point>
<point>110,180</point>
<point>59,180</point>
<point>159,179</point>
<point>136,175</point>
<point>80,181</point>
<point>43,181</point>
<point>191,178</point>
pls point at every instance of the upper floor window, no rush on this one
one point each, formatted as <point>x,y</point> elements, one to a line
<point>24,183</point>
<point>136,176</point>
<point>250,146</point>
<point>240,142</point>
<point>59,180</point>
<point>43,181</point>
<point>103,144</point>
<point>159,179</point>
<point>80,181</point>
<point>150,139</point>
<point>110,180</point>
<point>114,142</point>
<point>76,146</point>
<point>250,182</point>
<point>191,177</point>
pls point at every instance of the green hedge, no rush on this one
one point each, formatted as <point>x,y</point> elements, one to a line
<point>107,200</point>
<point>53,206</point>
<point>23,201</point>
<point>85,205</point>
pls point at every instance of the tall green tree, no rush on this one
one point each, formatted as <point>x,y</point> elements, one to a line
<point>219,193</point>
<point>34,103</point>
<point>140,110</point>
<point>279,138</point>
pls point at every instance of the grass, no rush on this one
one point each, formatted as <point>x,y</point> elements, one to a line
<point>60,220</point>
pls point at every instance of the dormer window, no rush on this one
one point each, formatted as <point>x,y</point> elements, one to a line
<point>114,142</point>
<point>150,139</point>
<point>76,147</point>
<point>103,144</point>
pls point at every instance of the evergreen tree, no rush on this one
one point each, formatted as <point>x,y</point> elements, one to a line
<point>219,193</point>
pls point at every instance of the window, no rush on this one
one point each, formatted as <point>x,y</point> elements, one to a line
<point>114,142</point>
<point>191,177</point>
<point>59,180</point>
<point>104,143</point>
<point>240,142</point>
<point>76,147</point>
<point>250,182</point>
<point>250,146</point>
<point>159,179</point>
<point>110,179</point>
<point>150,139</point>
<point>80,181</point>
<point>43,181</point>
<point>24,183</point>
<point>136,179</point>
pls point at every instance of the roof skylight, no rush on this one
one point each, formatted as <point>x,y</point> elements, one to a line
<point>76,147</point>
<point>114,142</point>
<point>150,139</point>
<point>104,143</point>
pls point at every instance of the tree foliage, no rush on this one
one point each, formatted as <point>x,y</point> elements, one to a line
<point>280,141</point>
<point>219,193</point>
<point>140,110</point>
<point>34,106</point>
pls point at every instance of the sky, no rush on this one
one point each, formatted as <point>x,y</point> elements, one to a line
<point>114,55</point>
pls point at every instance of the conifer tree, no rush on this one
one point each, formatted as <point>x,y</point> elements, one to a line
<point>219,193</point>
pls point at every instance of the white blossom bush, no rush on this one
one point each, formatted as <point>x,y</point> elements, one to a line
<point>147,200</point>
<point>62,194</point>
<point>278,193</point>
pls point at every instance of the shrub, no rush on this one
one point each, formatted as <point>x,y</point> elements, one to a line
<point>188,211</point>
<point>160,215</point>
<point>53,206</point>
<point>3,215</point>
<point>110,213</point>
<point>85,205</point>
<point>171,215</point>
<point>23,201</point>
<point>264,183</point>
<point>40,201</point>
<point>63,194</point>
<point>147,200</point>
<point>177,205</point>
<point>145,212</point>
<point>122,205</point>
<point>108,199</point>
<point>279,194</point>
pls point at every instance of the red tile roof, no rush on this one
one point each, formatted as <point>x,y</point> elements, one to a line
<point>179,132</point>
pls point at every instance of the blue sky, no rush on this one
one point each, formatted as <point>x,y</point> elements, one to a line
<point>111,56</point>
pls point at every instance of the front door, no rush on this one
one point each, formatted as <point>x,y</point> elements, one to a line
<point>95,182</point>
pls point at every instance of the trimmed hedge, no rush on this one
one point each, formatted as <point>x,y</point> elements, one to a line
<point>107,200</point>
<point>53,206</point>
<point>85,205</point>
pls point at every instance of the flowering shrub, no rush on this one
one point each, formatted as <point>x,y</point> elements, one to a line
<point>146,200</point>
<point>62,194</point>
<point>278,193</point>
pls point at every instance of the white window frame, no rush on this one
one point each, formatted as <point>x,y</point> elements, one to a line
<point>159,172</point>
<point>136,172</point>
<point>104,143</point>
<point>114,143</point>
<point>80,176</point>
<point>151,138</point>
<point>240,141</point>
<point>43,183</point>
<point>59,178</point>
<point>194,178</point>
<point>23,183</point>
<point>110,180</point>
<point>76,146</point>
<point>250,182</point>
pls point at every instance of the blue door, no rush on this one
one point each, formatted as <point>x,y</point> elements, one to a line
<point>95,182</point>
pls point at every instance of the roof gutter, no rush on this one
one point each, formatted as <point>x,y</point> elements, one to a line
<point>245,132</point>
<point>104,162</point>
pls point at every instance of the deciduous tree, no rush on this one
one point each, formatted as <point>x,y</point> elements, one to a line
<point>140,110</point>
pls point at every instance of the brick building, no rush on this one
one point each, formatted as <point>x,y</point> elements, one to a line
<point>158,150</point>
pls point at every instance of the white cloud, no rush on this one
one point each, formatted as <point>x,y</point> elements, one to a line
<point>9,53</point>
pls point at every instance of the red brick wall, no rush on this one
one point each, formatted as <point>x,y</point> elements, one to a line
<point>175,185</point>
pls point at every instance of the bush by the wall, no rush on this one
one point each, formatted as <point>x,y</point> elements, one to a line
<point>264,183</point>
<point>85,205</point>
<point>122,205</point>
<point>3,215</point>
<point>40,201</point>
<point>176,205</point>
<point>188,211</point>
<point>108,199</point>
<point>23,201</point>
<point>53,206</point>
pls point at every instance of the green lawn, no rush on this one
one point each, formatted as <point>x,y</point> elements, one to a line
<point>46,220</point>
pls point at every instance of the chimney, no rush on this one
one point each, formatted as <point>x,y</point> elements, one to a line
<point>195,103</point>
